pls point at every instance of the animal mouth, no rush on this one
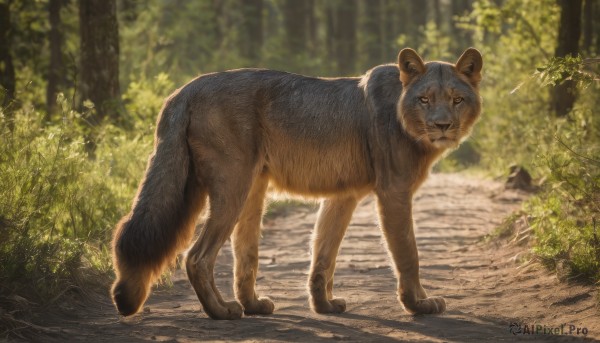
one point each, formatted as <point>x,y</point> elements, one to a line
<point>443,142</point>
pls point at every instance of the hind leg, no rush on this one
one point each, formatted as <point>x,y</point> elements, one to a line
<point>227,194</point>
<point>245,240</point>
<point>334,217</point>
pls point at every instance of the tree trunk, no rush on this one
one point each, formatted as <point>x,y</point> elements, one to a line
<point>295,23</point>
<point>564,94</point>
<point>596,26</point>
<point>373,39</point>
<point>461,38</point>
<point>7,69</point>
<point>330,33</point>
<point>217,6</point>
<point>393,24</point>
<point>56,70</point>
<point>312,24</point>
<point>436,15</point>
<point>346,13</point>
<point>100,58</point>
<point>588,24</point>
<point>251,33</point>
<point>129,11</point>
<point>417,10</point>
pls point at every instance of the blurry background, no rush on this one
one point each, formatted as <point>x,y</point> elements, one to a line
<point>83,81</point>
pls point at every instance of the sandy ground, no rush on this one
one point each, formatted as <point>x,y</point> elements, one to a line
<point>487,286</point>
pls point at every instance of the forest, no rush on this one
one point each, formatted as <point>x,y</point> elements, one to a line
<point>82,83</point>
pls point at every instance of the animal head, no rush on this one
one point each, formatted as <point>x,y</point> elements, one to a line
<point>440,101</point>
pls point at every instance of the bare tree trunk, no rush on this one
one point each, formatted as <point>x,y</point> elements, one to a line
<point>100,58</point>
<point>373,35</point>
<point>56,70</point>
<point>564,94</point>
<point>129,10</point>
<point>596,26</point>
<point>7,69</point>
<point>252,29</point>
<point>312,24</point>
<point>295,24</point>
<point>461,38</point>
<point>436,16</point>
<point>418,20</point>
<point>217,6</point>
<point>588,24</point>
<point>346,14</point>
<point>392,25</point>
<point>330,28</point>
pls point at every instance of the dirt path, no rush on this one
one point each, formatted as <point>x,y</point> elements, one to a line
<point>486,287</point>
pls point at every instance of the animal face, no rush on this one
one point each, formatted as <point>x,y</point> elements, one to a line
<point>440,101</point>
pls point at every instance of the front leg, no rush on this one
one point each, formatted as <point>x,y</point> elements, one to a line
<point>333,219</point>
<point>395,213</point>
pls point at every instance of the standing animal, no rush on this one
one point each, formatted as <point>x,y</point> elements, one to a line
<point>224,137</point>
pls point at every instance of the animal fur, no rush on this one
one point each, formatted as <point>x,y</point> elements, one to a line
<point>224,137</point>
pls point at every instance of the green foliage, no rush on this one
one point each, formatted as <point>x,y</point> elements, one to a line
<point>560,69</point>
<point>514,38</point>
<point>564,215</point>
<point>144,98</point>
<point>57,205</point>
<point>435,45</point>
<point>518,126</point>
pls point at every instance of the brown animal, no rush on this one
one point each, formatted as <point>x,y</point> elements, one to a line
<point>225,136</point>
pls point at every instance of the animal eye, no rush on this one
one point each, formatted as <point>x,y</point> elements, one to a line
<point>458,100</point>
<point>424,100</point>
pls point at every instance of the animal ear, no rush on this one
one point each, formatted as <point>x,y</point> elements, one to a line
<point>469,64</point>
<point>410,64</point>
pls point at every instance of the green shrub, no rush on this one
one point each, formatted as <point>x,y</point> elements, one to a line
<point>518,126</point>
<point>58,206</point>
<point>564,215</point>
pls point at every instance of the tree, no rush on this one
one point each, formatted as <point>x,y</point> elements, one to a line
<point>461,38</point>
<point>100,58</point>
<point>345,34</point>
<point>596,27</point>
<point>341,35</point>
<point>588,25</point>
<point>569,32</point>
<point>398,24</point>
<point>435,13</point>
<point>416,20</point>
<point>251,34</point>
<point>373,32</point>
<point>296,24</point>
<point>312,27</point>
<point>7,70</point>
<point>129,10</point>
<point>56,70</point>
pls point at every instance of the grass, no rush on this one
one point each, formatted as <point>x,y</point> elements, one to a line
<point>57,205</point>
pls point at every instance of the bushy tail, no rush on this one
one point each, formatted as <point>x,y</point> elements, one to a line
<point>163,214</point>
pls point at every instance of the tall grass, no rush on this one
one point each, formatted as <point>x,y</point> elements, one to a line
<point>565,216</point>
<point>518,126</point>
<point>57,205</point>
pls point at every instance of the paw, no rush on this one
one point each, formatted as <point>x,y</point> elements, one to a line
<point>234,310</point>
<point>231,311</point>
<point>431,305</point>
<point>259,306</point>
<point>337,305</point>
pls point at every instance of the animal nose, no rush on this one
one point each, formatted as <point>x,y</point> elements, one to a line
<point>443,125</point>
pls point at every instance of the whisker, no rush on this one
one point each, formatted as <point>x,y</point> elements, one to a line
<point>421,137</point>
